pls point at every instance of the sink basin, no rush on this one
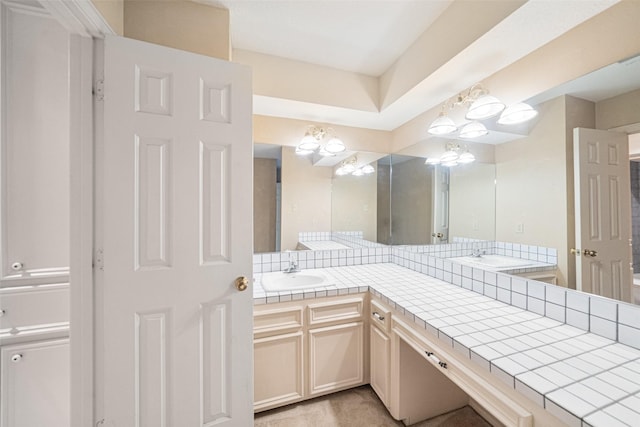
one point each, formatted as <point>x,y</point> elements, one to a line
<point>494,262</point>
<point>279,281</point>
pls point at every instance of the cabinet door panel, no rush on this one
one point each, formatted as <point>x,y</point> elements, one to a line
<point>34,166</point>
<point>278,370</point>
<point>336,357</point>
<point>379,356</point>
<point>35,384</point>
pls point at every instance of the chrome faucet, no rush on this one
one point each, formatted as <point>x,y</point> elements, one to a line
<point>477,252</point>
<point>293,265</point>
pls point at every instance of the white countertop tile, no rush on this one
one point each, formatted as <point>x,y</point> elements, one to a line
<point>580,373</point>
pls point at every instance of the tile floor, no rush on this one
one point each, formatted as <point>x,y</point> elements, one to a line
<point>357,407</point>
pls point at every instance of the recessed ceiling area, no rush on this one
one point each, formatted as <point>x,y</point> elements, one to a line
<point>379,64</point>
<point>359,36</point>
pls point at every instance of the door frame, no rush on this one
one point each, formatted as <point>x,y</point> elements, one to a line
<point>84,23</point>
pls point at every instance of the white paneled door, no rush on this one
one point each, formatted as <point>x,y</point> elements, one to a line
<point>603,213</point>
<point>174,219</point>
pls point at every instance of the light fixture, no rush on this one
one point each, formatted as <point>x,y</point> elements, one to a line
<point>350,167</point>
<point>311,141</point>
<point>473,130</point>
<point>466,157</point>
<point>443,125</point>
<point>432,161</point>
<point>484,107</point>
<point>368,169</point>
<point>517,113</point>
<point>480,106</point>
<point>452,156</point>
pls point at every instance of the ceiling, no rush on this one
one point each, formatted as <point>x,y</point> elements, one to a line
<point>443,49</point>
<point>354,35</point>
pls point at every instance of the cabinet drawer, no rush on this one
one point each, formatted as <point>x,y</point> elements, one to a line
<point>277,321</point>
<point>32,306</point>
<point>380,316</point>
<point>336,311</point>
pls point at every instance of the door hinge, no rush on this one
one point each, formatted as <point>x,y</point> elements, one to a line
<point>98,90</point>
<point>98,260</point>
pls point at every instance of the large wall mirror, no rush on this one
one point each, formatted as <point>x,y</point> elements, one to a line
<point>294,194</point>
<point>403,201</point>
<point>432,204</point>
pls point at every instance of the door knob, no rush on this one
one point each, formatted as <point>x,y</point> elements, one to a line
<point>590,252</point>
<point>242,283</point>
<point>575,252</point>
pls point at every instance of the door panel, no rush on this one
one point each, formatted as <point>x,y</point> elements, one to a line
<point>176,160</point>
<point>603,213</point>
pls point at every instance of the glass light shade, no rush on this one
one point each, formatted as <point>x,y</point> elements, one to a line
<point>442,125</point>
<point>432,161</point>
<point>348,168</point>
<point>517,113</point>
<point>308,142</point>
<point>449,156</point>
<point>484,107</point>
<point>450,164</point>
<point>368,169</point>
<point>325,153</point>
<point>473,130</point>
<point>340,171</point>
<point>358,172</point>
<point>335,146</point>
<point>302,152</point>
<point>466,157</point>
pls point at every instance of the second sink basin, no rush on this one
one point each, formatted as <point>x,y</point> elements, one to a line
<point>279,281</point>
<point>494,262</point>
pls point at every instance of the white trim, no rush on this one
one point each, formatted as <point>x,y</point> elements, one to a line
<point>79,17</point>
<point>81,220</point>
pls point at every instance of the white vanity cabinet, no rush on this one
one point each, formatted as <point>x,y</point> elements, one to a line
<point>305,349</point>
<point>380,350</point>
<point>278,348</point>
<point>336,345</point>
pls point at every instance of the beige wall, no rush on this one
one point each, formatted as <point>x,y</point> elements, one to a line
<point>535,182</point>
<point>411,216</point>
<point>622,110</point>
<point>472,201</point>
<point>306,197</point>
<point>264,205</point>
<point>531,185</point>
<point>288,132</point>
<point>605,39</point>
<point>354,204</point>
<point>285,78</point>
<point>113,12</point>
<point>180,24</point>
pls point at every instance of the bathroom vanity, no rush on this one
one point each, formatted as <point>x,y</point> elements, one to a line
<point>427,346</point>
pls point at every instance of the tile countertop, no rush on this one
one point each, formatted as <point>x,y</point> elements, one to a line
<point>581,378</point>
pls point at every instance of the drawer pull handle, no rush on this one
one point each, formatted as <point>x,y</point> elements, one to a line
<point>378,316</point>
<point>435,358</point>
<point>16,358</point>
<point>17,266</point>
